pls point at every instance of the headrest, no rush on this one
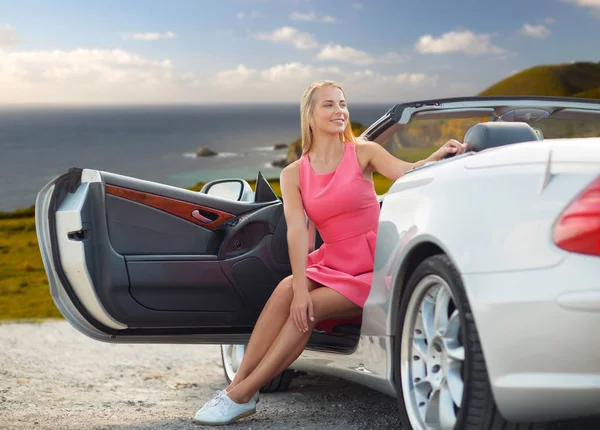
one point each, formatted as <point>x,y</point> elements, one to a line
<point>491,134</point>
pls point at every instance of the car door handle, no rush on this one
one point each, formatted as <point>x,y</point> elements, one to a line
<point>198,216</point>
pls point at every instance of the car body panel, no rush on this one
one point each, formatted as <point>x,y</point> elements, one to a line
<point>538,331</point>
<point>503,234</point>
<point>368,364</point>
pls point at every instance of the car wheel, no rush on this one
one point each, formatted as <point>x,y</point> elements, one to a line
<point>440,372</point>
<point>231,356</point>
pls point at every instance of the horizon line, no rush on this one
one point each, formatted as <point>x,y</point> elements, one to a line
<point>177,104</point>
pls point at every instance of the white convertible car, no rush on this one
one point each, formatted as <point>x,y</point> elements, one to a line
<point>485,304</point>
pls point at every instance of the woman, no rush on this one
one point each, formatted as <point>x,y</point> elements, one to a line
<point>332,182</point>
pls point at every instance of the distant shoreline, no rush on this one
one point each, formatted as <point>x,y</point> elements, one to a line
<point>28,212</point>
<point>176,105</point>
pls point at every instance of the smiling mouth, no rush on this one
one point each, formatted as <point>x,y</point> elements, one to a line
<point>340,120</point>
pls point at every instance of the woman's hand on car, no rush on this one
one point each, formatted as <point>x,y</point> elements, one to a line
<point>451,147</point>
<point>301,310</point>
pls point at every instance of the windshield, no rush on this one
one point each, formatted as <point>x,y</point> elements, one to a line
<point>419,138</point>
<point>559,128</point>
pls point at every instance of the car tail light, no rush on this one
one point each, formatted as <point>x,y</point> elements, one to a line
<point>578,227</point>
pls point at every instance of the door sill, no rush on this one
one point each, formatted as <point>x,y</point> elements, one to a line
<point>336,343</point>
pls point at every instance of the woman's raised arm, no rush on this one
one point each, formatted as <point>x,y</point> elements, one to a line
<point>392,168</point>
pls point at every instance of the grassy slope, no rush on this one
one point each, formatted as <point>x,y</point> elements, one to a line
<point>24,289</point>
<point>569,80</point>
<point>24,292</point>
<point>589,94</point>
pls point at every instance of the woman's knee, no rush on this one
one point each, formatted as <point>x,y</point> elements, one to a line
<point>286,286</point>
<point>283,293</point>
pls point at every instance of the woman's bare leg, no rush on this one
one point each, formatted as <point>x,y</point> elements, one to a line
<point>290,342</point>
<point>267,327</point>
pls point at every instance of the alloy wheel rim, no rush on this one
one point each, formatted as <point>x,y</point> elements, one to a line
<point>232,358</point>
<point>432,356</point>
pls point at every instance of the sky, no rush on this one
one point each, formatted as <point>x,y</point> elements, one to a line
<point>264,51</point>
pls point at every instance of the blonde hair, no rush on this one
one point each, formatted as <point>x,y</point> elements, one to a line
<point>306,113</point>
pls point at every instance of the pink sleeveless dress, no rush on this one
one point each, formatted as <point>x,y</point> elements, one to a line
<point>344,207</point>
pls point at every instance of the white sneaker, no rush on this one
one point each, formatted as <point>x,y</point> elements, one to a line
<point>212,401</point>
<point>219,393</point>
<point>225,411</point>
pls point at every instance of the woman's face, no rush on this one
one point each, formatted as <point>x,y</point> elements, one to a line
<point>330,113</point>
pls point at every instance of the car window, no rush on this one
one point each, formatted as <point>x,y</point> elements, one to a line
<point>560,128</point>
<point>419,138</point>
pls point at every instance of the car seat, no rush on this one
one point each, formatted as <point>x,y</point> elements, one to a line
<point>485,135</point>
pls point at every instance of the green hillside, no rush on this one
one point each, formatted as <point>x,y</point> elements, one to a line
<point>589,94</point>
<point>562,80</point>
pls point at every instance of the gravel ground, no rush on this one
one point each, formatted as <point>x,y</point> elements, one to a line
<point>53,377</point>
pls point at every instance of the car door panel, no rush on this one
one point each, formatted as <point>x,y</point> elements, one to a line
<point>252,267</point>
<point>153,267</point>
<point>134,228</point>
<point>199,286</point>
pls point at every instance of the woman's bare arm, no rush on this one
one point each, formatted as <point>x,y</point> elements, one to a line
<point>301,309</point>
<point>295,218</point>
<point>392,167</point>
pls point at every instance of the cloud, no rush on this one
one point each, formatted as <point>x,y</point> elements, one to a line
<point>394,88</point>
<point>593,5</point>
<point>585,3</point>
<point>233,78</point>
<point>413,78</point>
<point>549,21</point>
<point>329,52</point>
<point>344,54</point>
<point>8,37</point>
<point>86,76</point>
<point>150,36</point>
<point>114,76</point>
<point>357,6</point>
<point>535,31</point>
<point>279,83</point>
<point>252,15</point>
<point>79,75</point>
<point>392,58</point>
<point>286,82</point>
<point>441,67</point>
<point>91,65</point>
<point>351,55</point>
<point>311,17</point>
<point>296,71</point>
<point>282,73</point>
<point>458,41</point>
<point>292,36</point>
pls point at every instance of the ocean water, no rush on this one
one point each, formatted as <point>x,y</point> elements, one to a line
<point>152,143</point>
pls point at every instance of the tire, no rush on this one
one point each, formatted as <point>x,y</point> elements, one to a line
<point>231,357</point>
<point>428,372</point>
<point>279,383</point>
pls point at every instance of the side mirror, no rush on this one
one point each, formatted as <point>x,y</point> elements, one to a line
<point>232,189</point>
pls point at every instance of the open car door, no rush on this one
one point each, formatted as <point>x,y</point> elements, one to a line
<point>130,260</point>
